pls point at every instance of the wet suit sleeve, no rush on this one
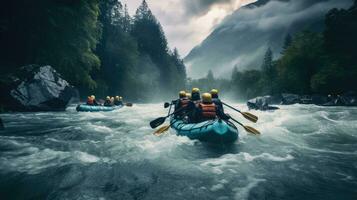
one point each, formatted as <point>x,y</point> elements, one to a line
<point>221,114</point>
<point>176,104</point>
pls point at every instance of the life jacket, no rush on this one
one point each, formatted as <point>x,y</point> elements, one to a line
<point>90,101</point>
<point>107,103</point>
<point>208,110</point>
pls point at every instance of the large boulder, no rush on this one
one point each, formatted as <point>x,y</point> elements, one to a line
<point>36,88</point>
<point>263,103</point>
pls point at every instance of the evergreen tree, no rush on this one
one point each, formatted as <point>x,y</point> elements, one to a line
<point>127,21</point>
<point>287,42</point>
<point>62,34</point>
<point>152,41</point>
<point>117,51</point>
<point>268,70</point>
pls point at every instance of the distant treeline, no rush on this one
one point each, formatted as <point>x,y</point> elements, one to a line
<point>310,63</point>
<point>95,44</point>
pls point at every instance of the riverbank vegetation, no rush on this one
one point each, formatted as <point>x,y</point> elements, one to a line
<point>310,63</point>
<point>96,46</point>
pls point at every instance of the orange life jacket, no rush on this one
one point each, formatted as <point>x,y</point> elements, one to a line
<point>184,102</point>
<point>208,110</point>
<point>90,101</point>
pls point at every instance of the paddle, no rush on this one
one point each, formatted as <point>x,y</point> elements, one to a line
<point>162,130</point>
<point>166,105</point>
<point>246,115</point>
<point>247,128</point>
<point>129,104</point>
<point>157,122</point>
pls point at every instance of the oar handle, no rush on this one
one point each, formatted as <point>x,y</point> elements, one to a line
<point>231,107</point>
<point>237,121</point>
<point>178,110</point>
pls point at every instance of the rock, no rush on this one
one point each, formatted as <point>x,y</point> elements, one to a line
<point>262,103</point>
<point>36,88</point>
<point>319,99</point>
<point>289,99</point>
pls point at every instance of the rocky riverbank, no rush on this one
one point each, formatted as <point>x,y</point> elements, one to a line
<point>266,102</point>
<point>36,88</point>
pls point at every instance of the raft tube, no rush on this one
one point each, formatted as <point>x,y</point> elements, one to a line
<point>88,108</point>
<point>213,131</point>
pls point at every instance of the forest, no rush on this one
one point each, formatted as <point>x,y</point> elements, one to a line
<point>100,49</point>
<point>94,44</point>
<point>310,63</point>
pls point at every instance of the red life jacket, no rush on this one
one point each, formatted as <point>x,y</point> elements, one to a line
<point>184,102</point>
<point>208,110</point>
<point>90,101</point>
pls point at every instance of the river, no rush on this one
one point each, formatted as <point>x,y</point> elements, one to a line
<point>304,152</point>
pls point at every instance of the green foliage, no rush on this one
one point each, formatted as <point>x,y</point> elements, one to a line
<point>300,62</point>
<point>152,42</point>
<point>311,62</point>
<point>59,33</point>
<point>269,72</point>
<point>248,83</point>
<point>94,44</point>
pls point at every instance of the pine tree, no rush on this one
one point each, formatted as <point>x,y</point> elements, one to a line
<point>152,41</point>
<point>268,69</point>
<point>127,22</point>
<point>287,42</point>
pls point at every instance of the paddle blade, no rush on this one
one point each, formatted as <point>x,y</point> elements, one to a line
<point>166,105</point>
<point>251,130</point>
<point>161,130</point>
<point>129,104</point>
<point>157,122</point>
<point>250,117</point>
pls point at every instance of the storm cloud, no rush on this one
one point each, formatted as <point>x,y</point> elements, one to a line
<point>243,37</point>
<point>188,22</point>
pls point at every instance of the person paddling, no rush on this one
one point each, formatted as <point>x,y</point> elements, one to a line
<point>91,101</point>
<point>107,102</point>
<point>207,110</point>
<point>118,101</point>
<point>181,103</point>
<point>216,100</point>
<point>193,105</point>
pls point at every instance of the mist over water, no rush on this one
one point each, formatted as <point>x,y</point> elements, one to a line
<point>304,152</point>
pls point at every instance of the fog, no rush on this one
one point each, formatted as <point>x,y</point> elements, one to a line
<point>243,37</point>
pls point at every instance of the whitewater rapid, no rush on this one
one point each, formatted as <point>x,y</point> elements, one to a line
<point>304,152</point>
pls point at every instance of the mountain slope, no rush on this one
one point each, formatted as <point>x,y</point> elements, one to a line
<point>243,37</point>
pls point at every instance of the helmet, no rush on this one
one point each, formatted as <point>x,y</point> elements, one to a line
<point>93,97</point>
<point>206,98</point>
<point>107,98</point>
<point>112,98</point>
<point>195,90</point>
<point>120,98</point>
<point>214,91</point>
<point>188,95</point>
<point>182,94</point>
<point>117,98</point>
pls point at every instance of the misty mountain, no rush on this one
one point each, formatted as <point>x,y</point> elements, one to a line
<point>243,37</point>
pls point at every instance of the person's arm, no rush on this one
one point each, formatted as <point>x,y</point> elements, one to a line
<point>221,114</point>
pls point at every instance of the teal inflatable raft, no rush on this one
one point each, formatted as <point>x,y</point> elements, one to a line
<point>213,131</point>
<point>88,108</point>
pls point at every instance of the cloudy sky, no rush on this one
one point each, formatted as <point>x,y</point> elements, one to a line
<point>188,22</point>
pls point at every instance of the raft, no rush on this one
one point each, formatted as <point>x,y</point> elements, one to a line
<point>212,131</point>
<point>88,108</point>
